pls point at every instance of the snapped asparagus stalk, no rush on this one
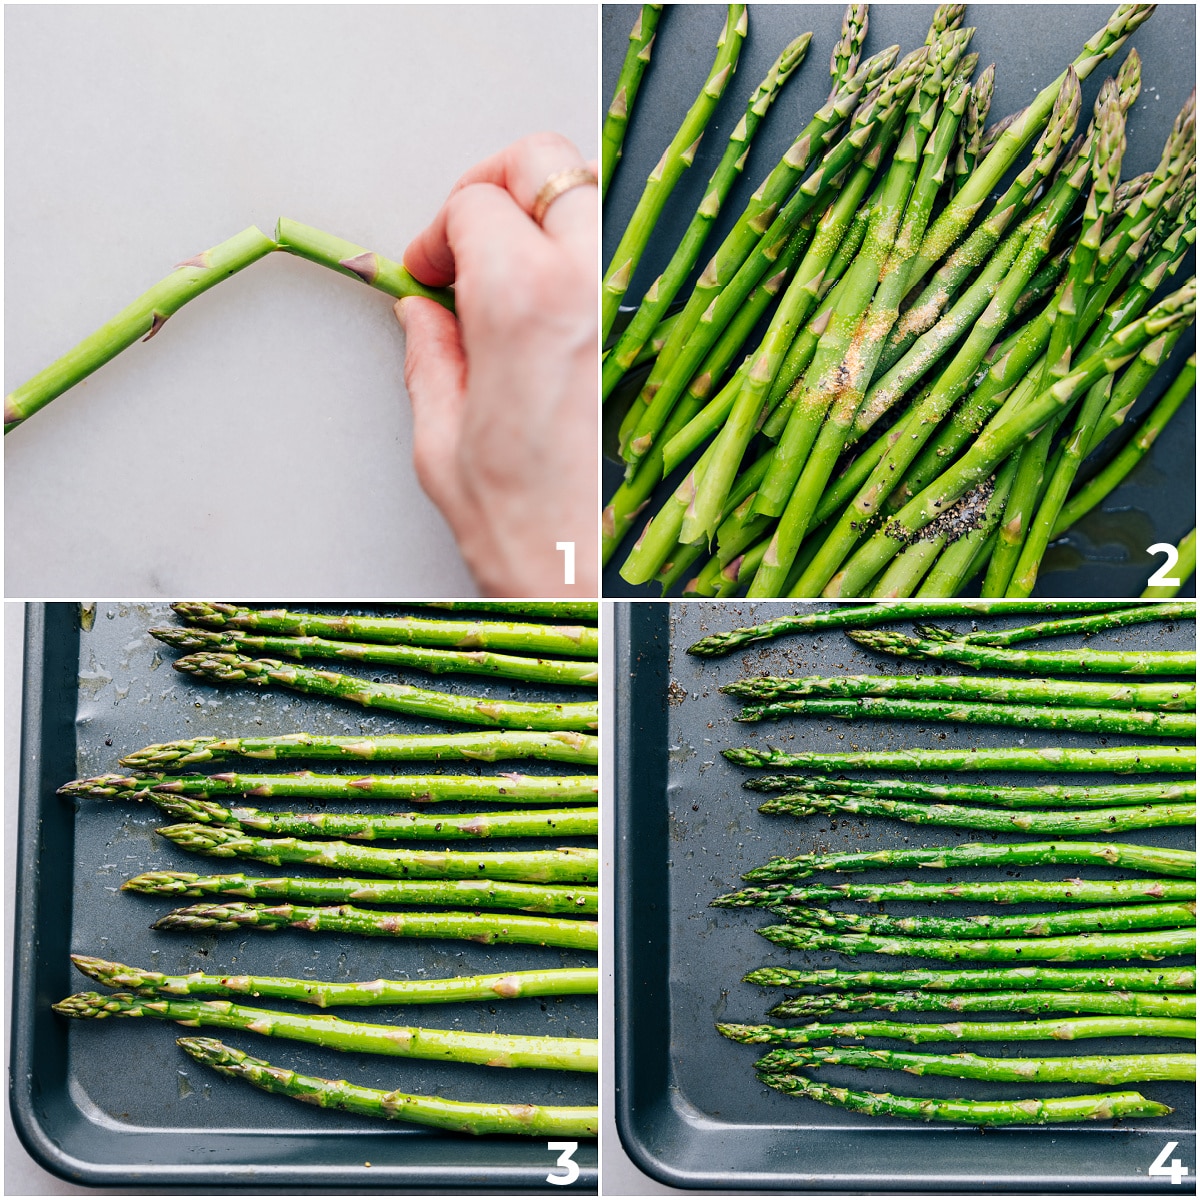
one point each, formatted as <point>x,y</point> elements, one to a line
<point>534,1120</point>
<point>889,708</point>
<point>486,928</point>
<point>1084,661</point>
<point>1099,947</point>
<point>367,827</point>
<point>404,658</point>
<point>1130,979</point>
<point>1115,1004</point>
<point>1107,1106</point>
<point>855,615</point>
<point>991,891</point>
<point>1076,1068</point>
<point>395,697</point>
<point>1147,696</point>
<point>676,158</point>
<point>420,789</point>
<point>563,981</point>
<point>467,893</point>
<point>1168,760</point>
<point>1155,859</point>
<point>370,268</point>
<point>336,1033</point>
<point>616,120</point>
<point>573,641</point>
<point>141,319</point>
<point>481,746</point>
<point>568,864</point>
<point>1156,915</point>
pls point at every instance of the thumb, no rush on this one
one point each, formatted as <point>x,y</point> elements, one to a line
<point>435,373</point>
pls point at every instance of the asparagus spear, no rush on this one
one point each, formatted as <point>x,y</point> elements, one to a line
<point>1099,947</point>
<point>420,789</point>
<point>141,319</point>
<point>480,746</point>
<point>574,641</point>
<point>993,891</point>
<point>616,120</point>
<point>1083,661</point>
<point>546,822</point>
<point>1140,979</point>
<point>1164,696</point>
<point>843,62</point>
<point>1045,796</point>
<point>965,1031</point>
<point>415,658</point>
<point>467,893</point>
<point>340,255</point>
<point>563,981</point>
<point>1025,925</point>
<point>676,158</point>
<point>564,865</point>
<point>1169,760</point>
<point>395,697</point>
<point>1159,859</point>
<point>1076,1068</point>
<point>486,928</point>
<point>538,1120</point>
<point>1117,618</point>
<point>1113,1004</point>
<point>855,615</point>
<point>1107,1106</point>
<point>336,1033</point>
<point>1095,820</point>
<point>556,610</point>
<point>1030,716</point>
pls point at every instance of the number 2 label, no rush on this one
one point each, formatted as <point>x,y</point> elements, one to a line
<point>1161,577</point>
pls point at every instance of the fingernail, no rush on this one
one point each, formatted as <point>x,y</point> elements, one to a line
<point>398,309</point>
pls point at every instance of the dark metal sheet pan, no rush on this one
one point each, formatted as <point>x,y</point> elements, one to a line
<point>1104,555</point>
<point>116,1102</point>
<point>689,1109</point>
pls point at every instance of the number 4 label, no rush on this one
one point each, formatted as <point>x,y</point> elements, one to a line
<point>1177,1172</point>
<point>571,1167</point>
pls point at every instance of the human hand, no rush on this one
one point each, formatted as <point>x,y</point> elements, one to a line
<point>504,395</point>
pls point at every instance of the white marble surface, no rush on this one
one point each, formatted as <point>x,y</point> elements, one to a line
<point>261,444</point>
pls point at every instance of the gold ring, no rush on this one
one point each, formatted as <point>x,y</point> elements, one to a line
<point>559,182</point>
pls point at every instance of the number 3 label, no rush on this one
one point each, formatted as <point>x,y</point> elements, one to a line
<point>569,1165</point>
<point>1176,1172</point>
<point>1161,578</point>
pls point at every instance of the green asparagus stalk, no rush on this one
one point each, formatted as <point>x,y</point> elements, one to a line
<point>970,136</point>
<point>563,981</point>
<point>336,1033</point>
<point>395,697</point>
<point>1116,618</point>
<point>141,319</point>
<point>616,120</point>
<point>568,864</point>
<point>340,255</point>
<point>1098,947</point>
<point>991,891</point>
<point>1156,859</point>
<point>1130,979</point>
<point>843,62</point>
<point>554,610</point>
<point>535,1120</point>
<point>1123,760</point>
<point>420,789</point>
<point>573,641</point>
<point>487,928</point>
<point>1107,1106</point>
<point>481,746</point>
<point>366,827</point>
<point>1006,925</point>
<point>466,893</point>
<point>1114,1004</point>
<point>676,158</point>
<point>965,1031</point>
<point>856,615</point>
<point>1076,1068</point>
<point>1043,796</point>
<point>410,658</point>
<point>1090,720</point>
